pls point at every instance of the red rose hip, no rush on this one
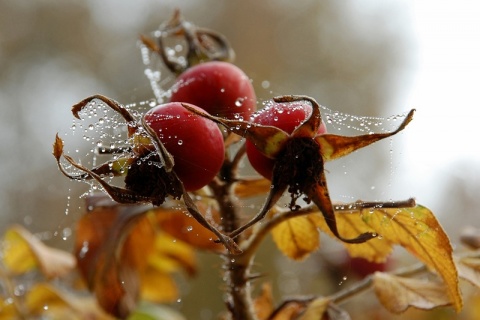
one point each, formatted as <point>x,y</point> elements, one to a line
<point>220,88</point>
<point>195,143</point>
<point>286,116</point>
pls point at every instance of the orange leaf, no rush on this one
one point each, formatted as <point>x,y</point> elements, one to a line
<point>250,188</point>
<point>416,229</point>
<point>397,294</point>
<point>22,252</point>
<point>297,237</point>
<point>124,256</point>
<point>263,304</point>
<point>185,228</point>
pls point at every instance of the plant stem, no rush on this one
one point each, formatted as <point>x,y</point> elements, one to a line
<point>236,267</point>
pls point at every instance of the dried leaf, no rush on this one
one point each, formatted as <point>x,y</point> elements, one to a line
<point>57,147</point>
<point>22,252</point>
<point>416,229</point>
<point>297,237</point>
<point>263,304</point>
<point>124,256</point>
<point>469,269</point>
<point>316,309</point>
<point>252,187</point>
<point>397,294</point>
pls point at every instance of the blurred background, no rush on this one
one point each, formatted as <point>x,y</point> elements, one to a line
<point>369,58</point>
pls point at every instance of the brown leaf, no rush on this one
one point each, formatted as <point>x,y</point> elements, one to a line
<point>22,252</point>
<point>416,229</point>
<point>297,237</point>
<point>57,147</point>
<point>397,294</point>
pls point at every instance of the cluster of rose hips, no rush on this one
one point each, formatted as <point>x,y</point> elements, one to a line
<point>196,143</point>
<point>286,142</point>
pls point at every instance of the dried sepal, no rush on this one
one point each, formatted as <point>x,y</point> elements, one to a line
<point>201,44</point>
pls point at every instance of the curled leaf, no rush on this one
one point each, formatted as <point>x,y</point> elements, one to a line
<point>252,187</point>
<point>397,294</point>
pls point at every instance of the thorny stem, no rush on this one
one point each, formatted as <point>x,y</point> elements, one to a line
<point>236,267</point>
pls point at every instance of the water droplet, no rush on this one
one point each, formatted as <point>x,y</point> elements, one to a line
<point>180,142</point>
<point>189,228</point>
<point>265,84</point>
<point>239,102</point>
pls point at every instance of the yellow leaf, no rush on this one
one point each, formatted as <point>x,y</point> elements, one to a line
<point>22,252</point>
<point>17,255</point>
<point>397,294</point>
<point>43,299</point>
<point>316,309</point>
<point>8,309</point>
<point>171,255</point>
<point>297,237</point>
<point>158,287</point>
<point>416,229</point>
